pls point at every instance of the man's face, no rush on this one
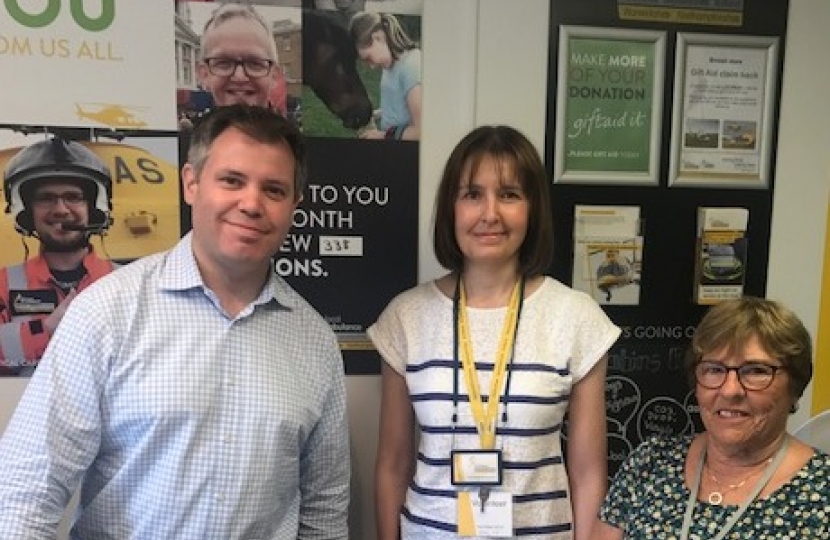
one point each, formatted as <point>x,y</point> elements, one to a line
<point>238,39</point>
<point>55,205</point>
<point>243,203</point>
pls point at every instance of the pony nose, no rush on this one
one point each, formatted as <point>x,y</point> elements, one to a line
<point>357,116</point>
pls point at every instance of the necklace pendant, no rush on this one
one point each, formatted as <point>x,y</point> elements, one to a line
<point>715,498</point>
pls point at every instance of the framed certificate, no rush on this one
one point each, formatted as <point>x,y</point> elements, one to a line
<point>724,96</point>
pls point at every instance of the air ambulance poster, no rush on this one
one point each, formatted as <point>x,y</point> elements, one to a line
<point>104,81</point>
<point>353,245</point>
<point>144,211</point>
<point>99,63</point>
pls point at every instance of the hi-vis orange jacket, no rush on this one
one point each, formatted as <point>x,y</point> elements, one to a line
<point>28,294</point>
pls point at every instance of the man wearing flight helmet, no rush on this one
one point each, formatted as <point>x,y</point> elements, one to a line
<point>59,192</point>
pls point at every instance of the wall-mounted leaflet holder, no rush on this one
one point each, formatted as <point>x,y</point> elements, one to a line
<point>720,262</point>
<point>608,253</point>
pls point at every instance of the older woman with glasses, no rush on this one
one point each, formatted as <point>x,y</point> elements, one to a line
<point>744,477</point>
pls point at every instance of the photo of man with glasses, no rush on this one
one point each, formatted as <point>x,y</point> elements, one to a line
<point>59,192</point>
<point>238,60</point>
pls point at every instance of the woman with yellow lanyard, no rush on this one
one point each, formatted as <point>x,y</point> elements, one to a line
<point>482,364</point>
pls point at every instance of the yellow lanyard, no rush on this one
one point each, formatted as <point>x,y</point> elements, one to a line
<point>486,419</point>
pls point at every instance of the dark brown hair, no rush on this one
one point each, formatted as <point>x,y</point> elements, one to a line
<point>259,123</point>
<point>366,23</point>
<point>505,145</point>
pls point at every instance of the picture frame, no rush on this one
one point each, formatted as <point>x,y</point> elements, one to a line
<point>609,105</point>
<point>722,117</point>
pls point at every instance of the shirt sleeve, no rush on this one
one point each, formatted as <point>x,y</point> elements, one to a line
<point>594,335</point>
<point>325,467</point>
<point>411,71</point>
<point>19,345</point>
<point>54,433</point>
<point>388,335</point>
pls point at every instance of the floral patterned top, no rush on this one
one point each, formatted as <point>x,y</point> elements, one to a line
<point>648,498</point>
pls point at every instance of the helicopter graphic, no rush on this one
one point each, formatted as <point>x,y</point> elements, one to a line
<point>112,115</point>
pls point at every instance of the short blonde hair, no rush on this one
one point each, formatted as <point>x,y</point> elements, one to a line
<point>732,323</point>
<point>226,12</point>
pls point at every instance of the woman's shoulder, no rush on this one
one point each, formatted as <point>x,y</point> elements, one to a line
<point>816,473</point>
<point>421,296</point>
<point>552,287</point>
<point>555,296</point>
<point>663,449</point>
<point>821,456</point>
<point>805,496</point>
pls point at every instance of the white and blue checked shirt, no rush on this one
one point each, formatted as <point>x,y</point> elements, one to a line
<point>179,422</point>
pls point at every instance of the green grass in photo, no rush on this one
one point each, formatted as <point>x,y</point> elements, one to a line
<point>319,121</point>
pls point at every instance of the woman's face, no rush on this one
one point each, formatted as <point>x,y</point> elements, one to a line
<point>491,213</point>
<point>739,419</point>
<point>377,53</point>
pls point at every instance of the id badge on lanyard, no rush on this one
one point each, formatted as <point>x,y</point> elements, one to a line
<point>483,509</point>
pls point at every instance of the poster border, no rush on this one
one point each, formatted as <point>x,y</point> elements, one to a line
<point>722,180</point>
<point>658,39</point>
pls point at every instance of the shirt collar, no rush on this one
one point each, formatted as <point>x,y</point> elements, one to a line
<point>181,272</point>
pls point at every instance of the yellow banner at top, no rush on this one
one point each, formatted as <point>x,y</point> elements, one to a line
<point>682,16</point>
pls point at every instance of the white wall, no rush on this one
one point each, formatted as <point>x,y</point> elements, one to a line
<point>485,61</point>
<point>802,176</point>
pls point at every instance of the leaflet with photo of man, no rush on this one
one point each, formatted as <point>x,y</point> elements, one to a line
<point>608,253</point>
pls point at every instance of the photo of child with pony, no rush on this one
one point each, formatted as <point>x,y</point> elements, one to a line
<point>363,79</point>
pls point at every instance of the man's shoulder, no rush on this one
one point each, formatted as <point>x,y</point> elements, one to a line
<point>127,276</point>
<point>31,262</point>
<point>31,272</point>
<point>290,298</point>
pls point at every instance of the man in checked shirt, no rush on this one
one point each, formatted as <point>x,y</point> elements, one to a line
<point>192,394</point>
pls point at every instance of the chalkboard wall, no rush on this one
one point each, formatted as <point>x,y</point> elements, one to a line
<point>647,392</point>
